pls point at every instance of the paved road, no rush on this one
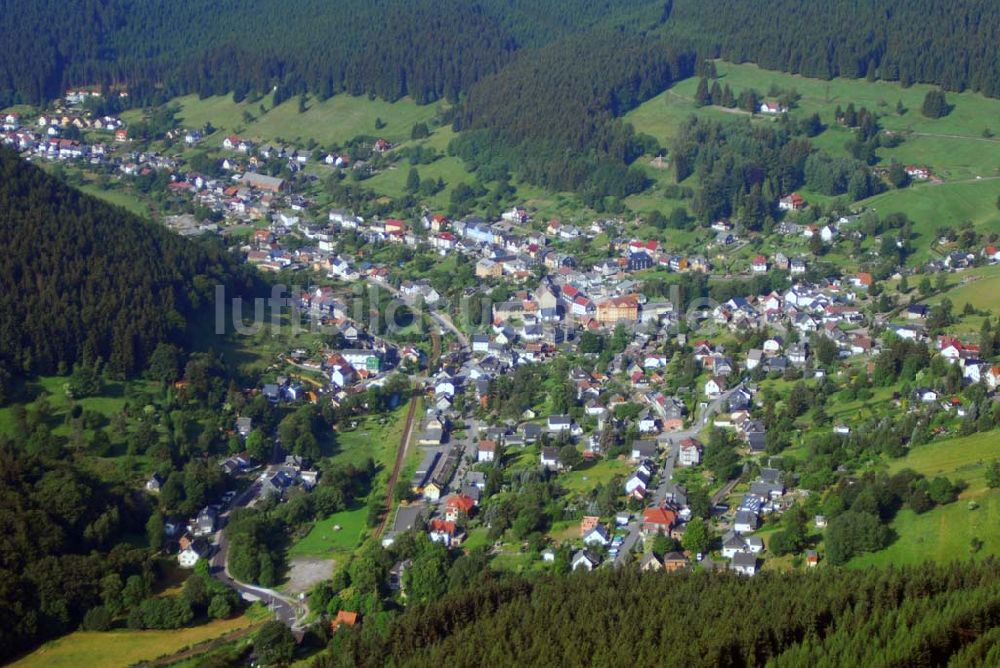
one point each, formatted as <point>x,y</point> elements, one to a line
<point>630,540</point>
<point>285,609</point>
<point>667,474</point>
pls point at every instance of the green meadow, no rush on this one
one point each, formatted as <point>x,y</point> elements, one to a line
<point>946,532</point>
<point>121,648</point>
<point>332,121</point>
<point>323,539</point>
<point>954,147</point>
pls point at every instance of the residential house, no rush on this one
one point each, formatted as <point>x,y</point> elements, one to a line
<point>550,458</point>
<point>650,563</point>
<point>689,452</point>
<point>193,552</point>
<point>584,560</point>
<point>642,450</point>
<point>744,563</point>
<point>658,520</point>
<point>793,202</point>
<point>487,451</point>
<point>597,536</point>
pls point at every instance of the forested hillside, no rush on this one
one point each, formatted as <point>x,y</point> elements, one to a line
<point>433,50</point>
<point>429,50</point>
<point>918,616</point>
<point>952,43</point>
<point>539,85</point>
<point>82,280</point>
<point>550,114</point>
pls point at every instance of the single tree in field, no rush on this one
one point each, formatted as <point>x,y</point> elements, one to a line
<point>935,105</point>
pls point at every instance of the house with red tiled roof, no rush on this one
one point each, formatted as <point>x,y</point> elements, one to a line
<point>588,523</point>
<point>618,309</point>
<point>446,532</point>
<point>457,506</point>
<point>793,202</point>
<point>658,520</point>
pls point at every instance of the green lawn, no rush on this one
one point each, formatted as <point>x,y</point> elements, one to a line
<point>118,197</point>
<point>586,476</point>
<point>123,648</point>
<point>942,534</point>
<point>322,539</point>
<point>933,206</point>
<point>111,401</point>
<point>979,287</point>
<point>477,538</point>
<point>333,121</point>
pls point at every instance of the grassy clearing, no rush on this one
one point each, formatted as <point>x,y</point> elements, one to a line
<point>333,121</point>
<point>964,458</point>
<point>946,532</point>
<point>932,206</point>
<point>943,534</point>
<point>124,648</point>
<point>979,287</point>
<point>322,539</point>
<point>585,477</point>
<point>118,197</point>
<point>111,400</point>
<point>374,436</point>
<point>477,538</point>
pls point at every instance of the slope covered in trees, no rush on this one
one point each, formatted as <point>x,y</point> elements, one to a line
<point>83,281</point>
<point>550,115</point>
<point>917,616</point>
<point>429,50</point>
<point>954,44</point>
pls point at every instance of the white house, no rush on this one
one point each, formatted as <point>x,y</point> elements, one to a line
<point>689,454</point>
<point>584,559</point>
<point>192,554</point>
<point>636,485</point>
<point>487,451</point>
<point>597,536</point>
<point>715,387</point>
<point>744,563</point>
<point>560,423</point>
<point>745,521</point>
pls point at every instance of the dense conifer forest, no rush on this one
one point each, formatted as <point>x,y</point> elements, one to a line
<point>435,50</point>
<point>928,615</point>
<point>84,281</point>
<point>955,44</point>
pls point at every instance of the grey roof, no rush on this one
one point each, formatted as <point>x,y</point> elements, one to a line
<point>407,517</point>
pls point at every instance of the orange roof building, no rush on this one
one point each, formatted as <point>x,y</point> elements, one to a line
<point>617,309</point>
<point>658,520</point>
<point>344,618</point>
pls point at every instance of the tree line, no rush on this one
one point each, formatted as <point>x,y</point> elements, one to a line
<point>918,615</point>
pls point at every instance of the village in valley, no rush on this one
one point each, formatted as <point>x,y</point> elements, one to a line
<point>589,395</point>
